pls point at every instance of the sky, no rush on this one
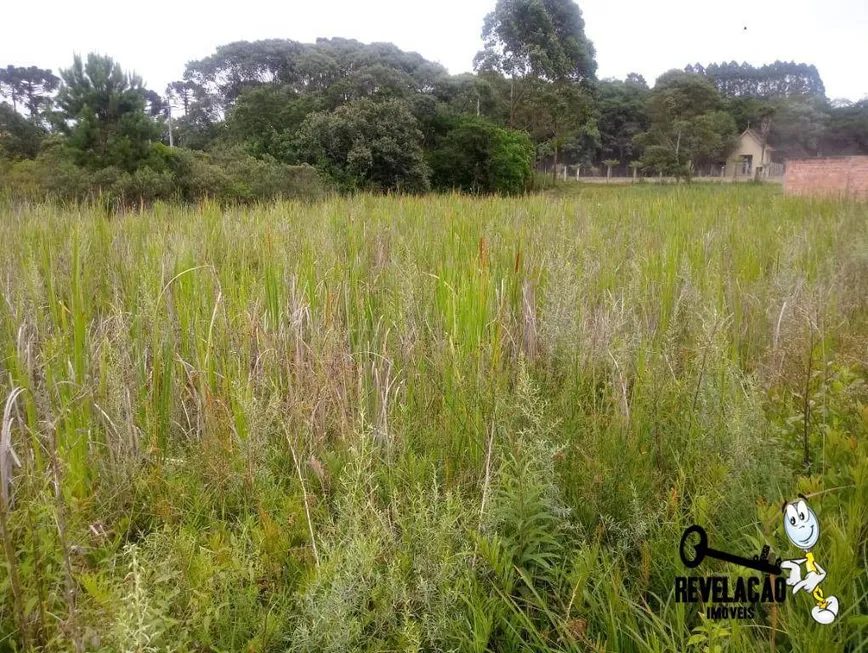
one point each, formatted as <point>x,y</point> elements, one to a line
<point>156,39</point>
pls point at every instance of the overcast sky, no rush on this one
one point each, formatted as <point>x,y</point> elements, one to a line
<point>158,37</point>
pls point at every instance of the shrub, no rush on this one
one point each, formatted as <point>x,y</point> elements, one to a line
<point>228,175</point>
<point>145,184</point>
<point>367,145</point>
<point>512,162</point>
<point>479,157</point>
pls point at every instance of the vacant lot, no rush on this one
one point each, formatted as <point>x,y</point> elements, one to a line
<point>439,423</point>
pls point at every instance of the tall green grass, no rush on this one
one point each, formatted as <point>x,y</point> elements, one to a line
<point>438,423</point>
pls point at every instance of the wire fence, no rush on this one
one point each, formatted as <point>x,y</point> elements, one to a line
<point>598,173</point>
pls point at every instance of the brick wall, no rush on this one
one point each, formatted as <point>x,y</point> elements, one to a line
<point>839,175</point>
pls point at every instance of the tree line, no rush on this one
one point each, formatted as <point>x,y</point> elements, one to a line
<point>281,117</point>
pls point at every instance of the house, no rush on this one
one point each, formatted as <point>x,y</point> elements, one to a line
<point>751,158</point>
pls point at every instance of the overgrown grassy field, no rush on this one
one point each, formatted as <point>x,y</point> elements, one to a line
<point>436,423</point>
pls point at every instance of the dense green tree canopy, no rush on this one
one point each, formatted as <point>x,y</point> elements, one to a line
<point>687,125</point>
<point>368,145</point>
<point>340,70</point>
<point>798,126</point>
<point>479,157</point>
<point>556,115</point>
<point>846,131</point>
<point>780,79</point>
<point>543,38</point>
<point>622,115</point>
<point>678,96</point>
<point>265,119</point>
<point>372,116</point>
<point>533,42</point>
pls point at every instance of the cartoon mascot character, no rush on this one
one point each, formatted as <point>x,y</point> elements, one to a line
<point>803,529</point>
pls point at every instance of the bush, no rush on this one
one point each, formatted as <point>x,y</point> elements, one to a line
<point>478,157</point>
<point>367,145</point>
<point>145,184</point>
<point>50,175</point>
<point>511,162</point>
<point>228,175</point>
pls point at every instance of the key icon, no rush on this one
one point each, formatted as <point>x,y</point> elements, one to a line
<point>695,538</point>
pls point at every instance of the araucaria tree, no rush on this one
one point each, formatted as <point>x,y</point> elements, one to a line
<point>102,111</point>
<point>30,87</point>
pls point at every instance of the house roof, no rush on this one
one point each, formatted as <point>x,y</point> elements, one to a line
<point>750,132</point>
